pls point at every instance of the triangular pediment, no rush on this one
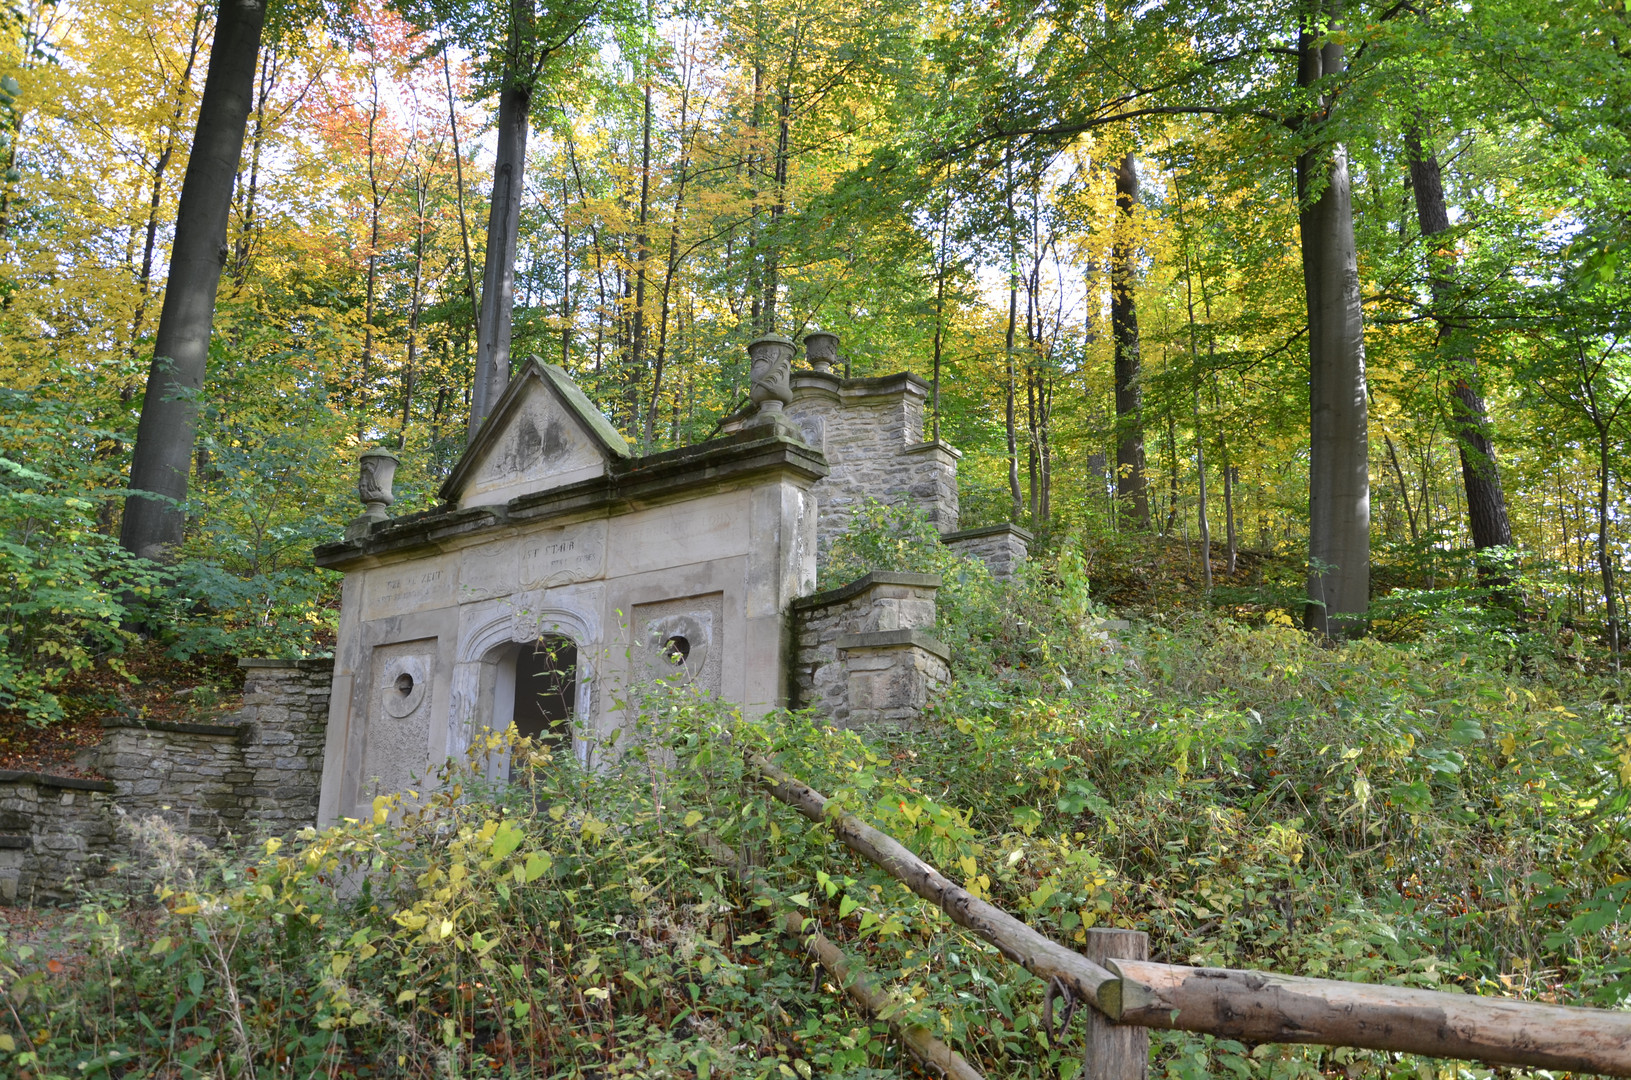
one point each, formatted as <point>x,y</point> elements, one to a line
<point>543,433</point>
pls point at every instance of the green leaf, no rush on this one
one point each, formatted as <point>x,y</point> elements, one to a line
<point>506,839</point>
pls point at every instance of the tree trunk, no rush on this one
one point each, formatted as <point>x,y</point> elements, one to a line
<point>421,187</point>
<point>672,263</point>
<point>376,203</point>
<point>458,193</point>
<point>1013,317</point>
<point>1469,422</point>
<point>1131,488</point>
<point>1339,462</point>
<point>243,248</point>
<point>150,240</point>
<point>154,519</point>
<point>1202,524</point>
<point>1605,563</point>
<point>642,258</point>
<point>503,222</point>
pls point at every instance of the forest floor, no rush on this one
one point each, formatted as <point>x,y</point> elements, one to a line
<point>147,683</point>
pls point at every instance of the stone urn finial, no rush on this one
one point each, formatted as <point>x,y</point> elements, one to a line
<point>377,468</point>
<point>772,379</point>
<point>821,349</point>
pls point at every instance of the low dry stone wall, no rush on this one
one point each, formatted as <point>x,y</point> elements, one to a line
<point>56,835</point>
<point>254,771</point>
<point>864,653</point>
<point>1001,547</point>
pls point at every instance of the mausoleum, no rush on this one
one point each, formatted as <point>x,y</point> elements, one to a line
<point>560,571</point>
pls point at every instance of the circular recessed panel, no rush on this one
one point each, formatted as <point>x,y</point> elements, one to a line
<point>677,647</point>
<point>405,681</point>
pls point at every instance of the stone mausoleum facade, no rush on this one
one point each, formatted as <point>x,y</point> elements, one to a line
<point>559,573</point>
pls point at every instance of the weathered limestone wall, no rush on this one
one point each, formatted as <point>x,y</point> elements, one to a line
<point>188,773</point>
<point>871,433</point>
<point>56,834</point>
<point>864,653</point>
<point>1002,547</point>
<point>285,706</point>
<point>255,770</point>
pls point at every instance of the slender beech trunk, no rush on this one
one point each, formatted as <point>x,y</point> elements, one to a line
<point>1172,475</point>
<point>1192,270</point>
<point>243,247</point>
<point>940,311</point>
<point>415,303</point>
<point>376,203</point>
<point>1605,564</point>
<point>566,277</point>
<point>642,258</point>
<point>1469,422</point>
<point>1339,463</point>
<point>154,519</point>
<point>1131,488</point>
<point>594,240</point>
<point>778,209</point>
<point>1013,317</point>
<point>503,223</point>
<point>1200,506</point>
<point>1404,489</point>
<point>672,263</point>
<point>1232,535</point>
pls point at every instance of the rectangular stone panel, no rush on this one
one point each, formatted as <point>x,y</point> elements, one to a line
<point>396,742</point>
<point>680,641</point>
<point>421,585</point>
<point>561,556</point>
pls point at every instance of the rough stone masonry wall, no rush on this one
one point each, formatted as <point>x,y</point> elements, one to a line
<point>286,705</point>
<point>1001,547</point>
<point>56,833</point>
<point>256,769</point>
<point>871,432</point>
<point>876,602</point>
<point>253,771</point>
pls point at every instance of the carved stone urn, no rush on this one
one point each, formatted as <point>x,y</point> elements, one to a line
<point>376,470</point>
<point>821,349</point>
<point>772,378</point>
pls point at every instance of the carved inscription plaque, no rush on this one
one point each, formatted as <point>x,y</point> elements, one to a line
<point>488,571</point>
<point>561,556</point>
<point>415,586</point>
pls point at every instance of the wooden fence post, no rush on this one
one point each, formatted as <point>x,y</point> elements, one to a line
<point>1115,1051</point>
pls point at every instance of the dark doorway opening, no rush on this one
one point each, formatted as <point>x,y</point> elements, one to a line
<point>546,686</point>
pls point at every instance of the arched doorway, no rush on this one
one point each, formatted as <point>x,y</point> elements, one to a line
<point>546,690</point>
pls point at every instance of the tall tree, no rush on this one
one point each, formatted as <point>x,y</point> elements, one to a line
<point>1469,422</point>
<point>1339,445</point>
<point>154,518</point>
<point>1130,484</point>
<point>520,48</point>
<point>493,316</point>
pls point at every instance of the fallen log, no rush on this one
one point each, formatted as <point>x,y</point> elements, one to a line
<point>857,982</point>
<point>1041,956</point>
<point>1262,1006</point>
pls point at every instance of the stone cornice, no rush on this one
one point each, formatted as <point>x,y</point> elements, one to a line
<point>628,485</point>
<point>862,584</point>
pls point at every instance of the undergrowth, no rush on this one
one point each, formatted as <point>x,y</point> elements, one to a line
<point>1447,812</point>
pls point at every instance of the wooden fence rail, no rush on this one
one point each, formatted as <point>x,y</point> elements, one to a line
<point>1253,1005</point>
